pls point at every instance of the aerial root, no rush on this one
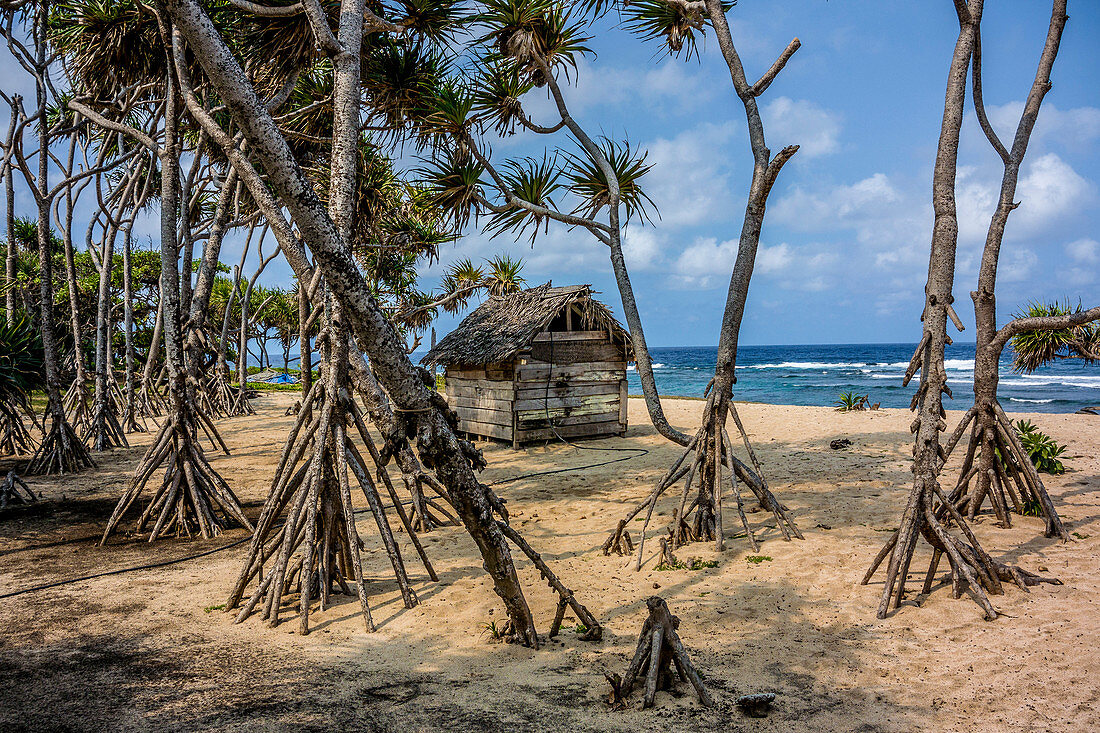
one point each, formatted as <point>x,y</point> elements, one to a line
<point>317,547</point>
<point>190,498</point>
<point>15,438</point>
<point>709,465</point>
<point>77,406</point>
<point>659,652</point>
<point>592,629</point>
<point>999,466</point>
<point>929,514</point>
<point>103,430</point>
<point>61,451</point>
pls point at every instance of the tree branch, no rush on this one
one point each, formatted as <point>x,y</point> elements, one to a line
<point>1042,323</point>
<point>769,76</point>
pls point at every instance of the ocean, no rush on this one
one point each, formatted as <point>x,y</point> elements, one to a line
<point>817,374</point>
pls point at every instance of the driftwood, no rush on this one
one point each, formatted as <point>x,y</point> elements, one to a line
<point>755,705</point>
<point>660,658</point>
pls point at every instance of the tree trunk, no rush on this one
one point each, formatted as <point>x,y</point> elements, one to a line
<point>77,398</point>
<point>994,475</point>
<point>12,252</point>
<point>424,414</point>
<point>61,450</point>
<point>929,509</point>
<point>104,431</point>
<point>191,491</point>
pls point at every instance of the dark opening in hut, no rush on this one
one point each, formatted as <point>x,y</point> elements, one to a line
<point>537,364</point>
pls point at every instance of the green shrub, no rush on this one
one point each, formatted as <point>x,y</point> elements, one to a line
<point>757,559</point>
<point>852,402</point>
<point>21,364</point>
<point>1041,448</point>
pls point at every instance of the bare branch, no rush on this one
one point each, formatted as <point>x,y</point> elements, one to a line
<point>769,76</point>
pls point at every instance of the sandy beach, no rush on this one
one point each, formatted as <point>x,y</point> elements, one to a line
<point>150,650</point>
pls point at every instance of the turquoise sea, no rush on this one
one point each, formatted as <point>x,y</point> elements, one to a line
<point>816,374</point>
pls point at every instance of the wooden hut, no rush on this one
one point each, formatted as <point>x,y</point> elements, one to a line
<point>537,364</point>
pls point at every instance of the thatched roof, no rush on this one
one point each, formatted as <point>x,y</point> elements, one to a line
<point>504,325</point>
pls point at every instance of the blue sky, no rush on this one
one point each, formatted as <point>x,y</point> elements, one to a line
<point>844,249</point>
<point>845,244</point>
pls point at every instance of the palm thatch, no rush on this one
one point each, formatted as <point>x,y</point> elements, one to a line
<point>505,325</point>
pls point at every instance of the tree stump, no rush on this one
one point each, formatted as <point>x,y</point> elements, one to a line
<point>10,489</point>
<point>659,659</point>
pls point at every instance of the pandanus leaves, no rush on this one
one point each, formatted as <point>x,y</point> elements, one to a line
<point>531,180</point>
<point>522,31</point>
<point>1033,349</point>
<point>587,180</point>
<point>454,185</point>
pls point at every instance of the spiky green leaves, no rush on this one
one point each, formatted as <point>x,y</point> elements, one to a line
<point>534,181</point>
<point>497,96</point>
<point>21,364</point>
<point>504,275</point>
<point>1032,349</point>
<point>453,182</point>
<point>400,80</point>
<point>676,25</point>
<point>434,20</point>
<point>527,33</point>
<point>589,182</point>
<point>107,44</point>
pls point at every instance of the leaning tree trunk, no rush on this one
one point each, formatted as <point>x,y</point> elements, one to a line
<point>104,430</point>
<point>130,408</point>
<point>930,511</point>
<point>424,416</point>
<point>222,395</point>
<point>207,390</point>
<point>191,496</point>
<point>318,546</point>
<point>76,398</point>
<point>151,403</point>
<point>12,249</point>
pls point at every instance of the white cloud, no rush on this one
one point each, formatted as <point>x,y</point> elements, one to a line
<point>641,247</point>
<point>1085,251</point>
<point>800,122</point>
<point>1018,266</point>
<point>839,207</point>
<point>1069,127</point>
<point>671,88</point>
<point>690,177</point>
<point>705,263</point>
<point>773,259</point>
<point>1049,190</point>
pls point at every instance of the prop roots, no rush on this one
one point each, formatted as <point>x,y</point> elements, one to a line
<point>711,469</point>
<point>191,497</point>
